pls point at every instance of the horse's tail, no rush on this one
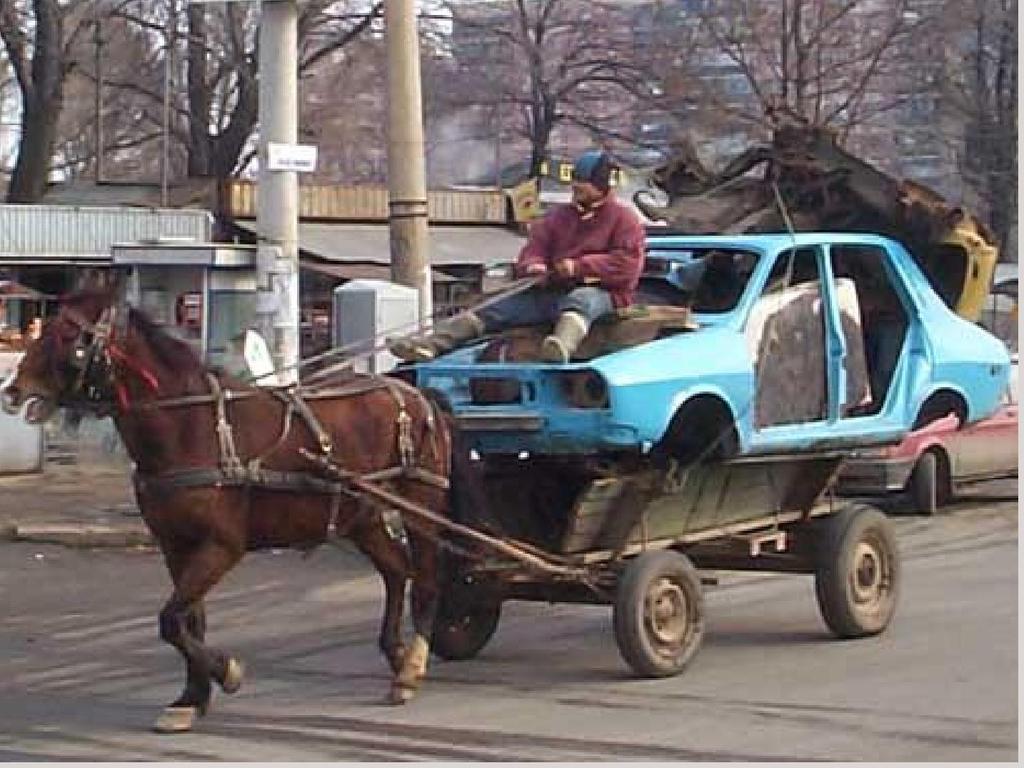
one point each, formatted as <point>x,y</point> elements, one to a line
<point>467,501</point>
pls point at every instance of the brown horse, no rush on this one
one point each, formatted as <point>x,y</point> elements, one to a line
<point>223,468</point>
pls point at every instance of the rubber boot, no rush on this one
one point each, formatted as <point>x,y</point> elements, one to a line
<point>565,339</point>
<point>446,336</point>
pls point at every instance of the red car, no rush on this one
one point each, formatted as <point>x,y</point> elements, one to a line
<point>933,461</point>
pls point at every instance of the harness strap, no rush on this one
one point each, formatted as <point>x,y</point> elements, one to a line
<point>265,479</point>
<point>406,447</point>
<point>229,461</point>
<point>286,428</point>
<point>322,436</point>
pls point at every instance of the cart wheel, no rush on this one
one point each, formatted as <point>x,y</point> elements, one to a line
<point>659,613</point>
<point>465,622</point>
<point>857,576</point>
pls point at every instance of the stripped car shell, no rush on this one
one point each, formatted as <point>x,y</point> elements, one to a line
<point>648,385</point>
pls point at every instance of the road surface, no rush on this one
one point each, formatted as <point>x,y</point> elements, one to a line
<point>83,674</point>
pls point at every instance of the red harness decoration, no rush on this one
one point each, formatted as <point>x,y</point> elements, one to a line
<point>147,376</point>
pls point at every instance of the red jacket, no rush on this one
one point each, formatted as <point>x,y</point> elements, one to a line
<point>607,246</point>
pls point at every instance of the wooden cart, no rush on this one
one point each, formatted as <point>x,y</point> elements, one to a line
<point>565,533</point>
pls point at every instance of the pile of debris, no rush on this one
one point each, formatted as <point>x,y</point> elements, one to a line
<point>805,181</point>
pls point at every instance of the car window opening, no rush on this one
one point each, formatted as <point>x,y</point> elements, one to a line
<point>883,317</point>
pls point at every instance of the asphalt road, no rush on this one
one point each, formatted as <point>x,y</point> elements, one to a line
<point>82,673</point>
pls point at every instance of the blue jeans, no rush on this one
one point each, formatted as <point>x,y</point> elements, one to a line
<point>539,306</point>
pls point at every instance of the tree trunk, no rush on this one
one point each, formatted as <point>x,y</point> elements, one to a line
<point>540,136</point>
<point>42,99</point>
<point>35,151</point>
<point>199,145</point>
<point>227,147</point>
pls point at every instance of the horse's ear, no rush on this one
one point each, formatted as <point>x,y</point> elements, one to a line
<point>105,282</point>
<point>88,281</point>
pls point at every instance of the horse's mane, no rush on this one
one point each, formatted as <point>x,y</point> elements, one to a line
<point>173,353</point>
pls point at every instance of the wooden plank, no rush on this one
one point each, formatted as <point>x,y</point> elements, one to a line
<point>708,498</point>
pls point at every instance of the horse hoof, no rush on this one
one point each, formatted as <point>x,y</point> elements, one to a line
<point>175,720</point>
<point>233,676</point>
<point>400,694</point>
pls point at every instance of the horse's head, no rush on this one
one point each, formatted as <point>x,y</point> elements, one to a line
<point>69,363</point>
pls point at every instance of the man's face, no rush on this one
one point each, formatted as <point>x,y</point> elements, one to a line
<point>586,194</point>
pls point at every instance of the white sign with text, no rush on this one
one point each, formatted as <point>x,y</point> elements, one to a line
<point>291,157</point>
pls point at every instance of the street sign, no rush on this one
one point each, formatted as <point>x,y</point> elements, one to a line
<point>291,157</point>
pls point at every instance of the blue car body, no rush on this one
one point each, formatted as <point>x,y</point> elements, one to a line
<point>646,385</point>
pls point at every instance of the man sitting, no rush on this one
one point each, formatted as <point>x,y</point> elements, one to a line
<point>588,256</point>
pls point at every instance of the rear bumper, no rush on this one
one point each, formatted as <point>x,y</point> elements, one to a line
<point>874,475</point>
<point>500,421</point>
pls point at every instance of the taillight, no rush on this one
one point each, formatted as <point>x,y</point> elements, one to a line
<point>584,389</point>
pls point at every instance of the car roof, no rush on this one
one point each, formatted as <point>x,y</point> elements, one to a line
<point>766,241</point>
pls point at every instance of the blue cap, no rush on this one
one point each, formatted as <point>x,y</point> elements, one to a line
<point>595,167</point>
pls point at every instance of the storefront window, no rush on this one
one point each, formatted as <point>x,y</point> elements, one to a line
<point>231,313</point>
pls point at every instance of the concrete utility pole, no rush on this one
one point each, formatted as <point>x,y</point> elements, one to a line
<point>277,214</point>
<point>407,184</point>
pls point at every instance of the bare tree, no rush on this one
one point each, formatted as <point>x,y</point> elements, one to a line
<point>38,37</point>
<point>820,62</point>
<point>979,83</point>
<point>553,63</point>
<point>214,59</point>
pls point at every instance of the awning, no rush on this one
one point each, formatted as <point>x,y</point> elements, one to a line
<point>362,271</point>
<point>369,243</point>
<point>9,289</point>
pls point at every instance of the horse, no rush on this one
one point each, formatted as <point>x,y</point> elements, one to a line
<point>223,468</point>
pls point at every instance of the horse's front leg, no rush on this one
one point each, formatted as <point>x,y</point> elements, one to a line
<point>227,671</point>
<point>183,625</point>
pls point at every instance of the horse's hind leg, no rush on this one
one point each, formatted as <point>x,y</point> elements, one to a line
<point>390,561</point>
<point>424,609</point>
<point>183,625</point>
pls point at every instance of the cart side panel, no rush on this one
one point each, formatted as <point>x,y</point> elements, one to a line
<point>611,513</point>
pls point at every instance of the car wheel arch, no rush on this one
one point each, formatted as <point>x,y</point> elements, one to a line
<point>697,423</point>
<point>938,403</point>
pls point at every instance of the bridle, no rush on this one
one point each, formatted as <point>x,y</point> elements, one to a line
<point>95,356</point>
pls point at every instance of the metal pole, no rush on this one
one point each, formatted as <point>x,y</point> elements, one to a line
<point>98,40</point>
<point>407,184</point>
<point>497,143</point>
<point>277,212</point>
<point>497,115</point>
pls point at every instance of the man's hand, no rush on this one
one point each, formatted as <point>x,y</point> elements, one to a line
<point>566,269</point>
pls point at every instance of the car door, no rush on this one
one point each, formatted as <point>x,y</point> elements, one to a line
<point>876,329</point>
<point>786,337</point>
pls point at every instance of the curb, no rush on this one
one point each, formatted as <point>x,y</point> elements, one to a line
<point>79,535</point>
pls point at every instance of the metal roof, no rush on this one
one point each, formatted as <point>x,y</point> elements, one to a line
<point>60,234</point>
